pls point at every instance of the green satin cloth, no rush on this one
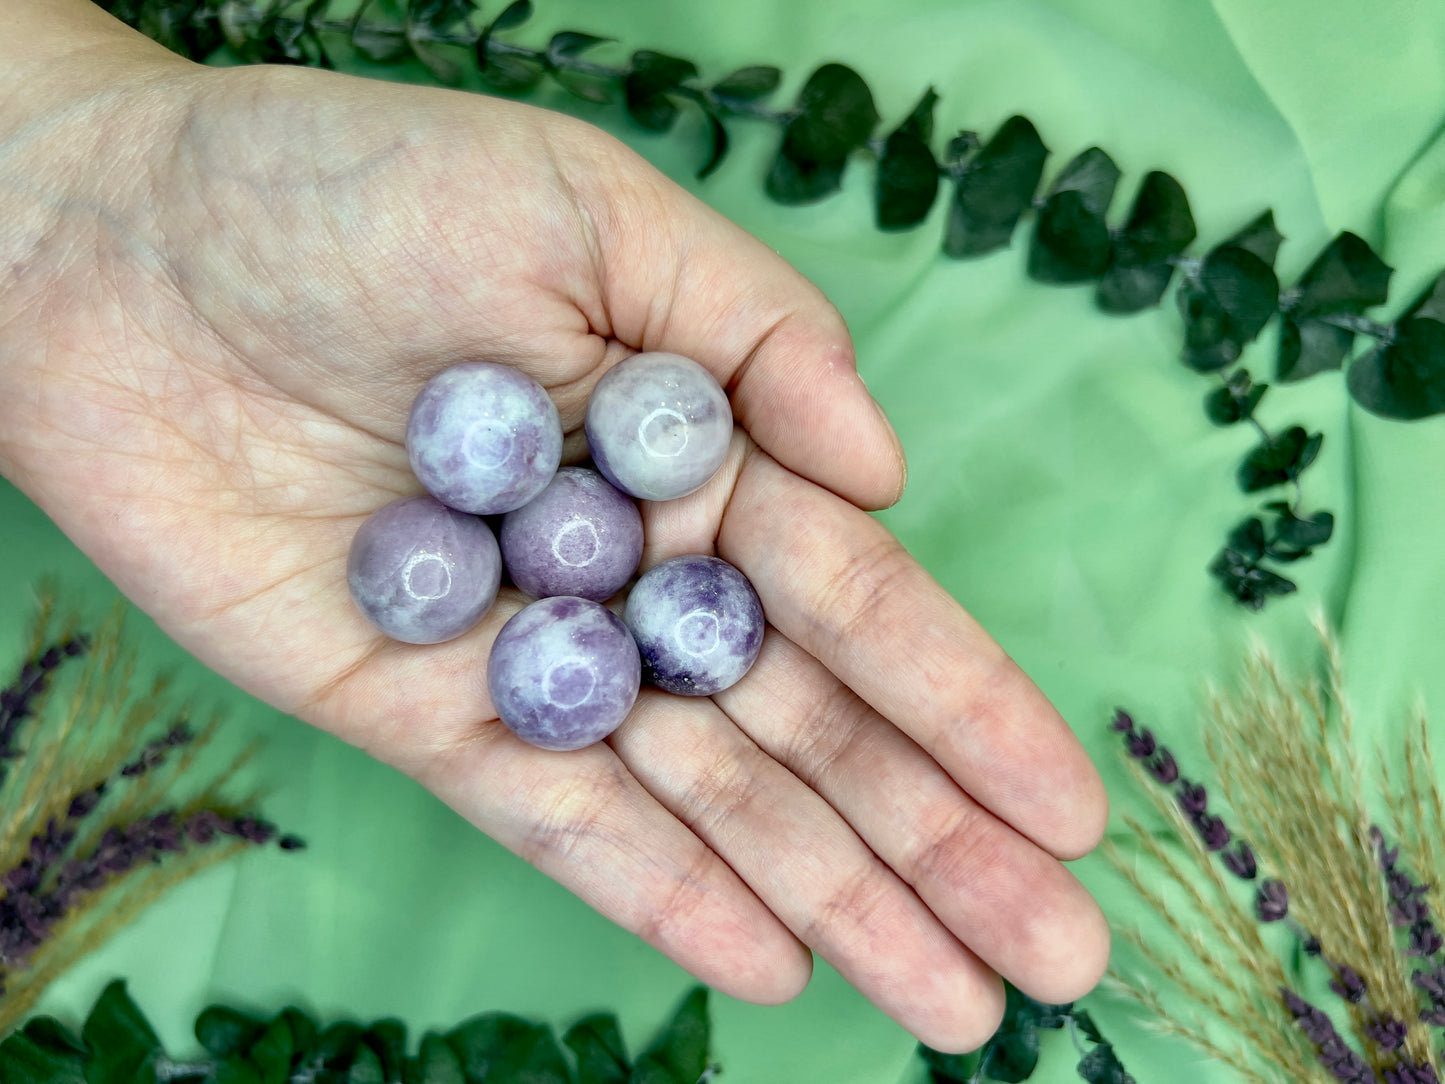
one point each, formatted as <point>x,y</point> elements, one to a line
<point>1065,486</point>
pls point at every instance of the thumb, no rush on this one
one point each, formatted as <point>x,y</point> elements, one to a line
<point>672,274</point>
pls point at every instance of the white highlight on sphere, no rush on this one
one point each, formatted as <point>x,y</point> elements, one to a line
<point>427,576</point>
<point>489,443</point>
<point>663,433</point>
<point>560,674</point>
<point>568,535</point>
<point>697,633</point>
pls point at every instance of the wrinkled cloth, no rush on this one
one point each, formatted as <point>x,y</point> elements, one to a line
<point>1065,486</point>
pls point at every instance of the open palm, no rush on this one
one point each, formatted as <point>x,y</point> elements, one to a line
<point>215,342</point>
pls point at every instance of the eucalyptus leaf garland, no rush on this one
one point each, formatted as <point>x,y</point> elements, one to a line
<point>1226,297</point>
<point>116,1045</point>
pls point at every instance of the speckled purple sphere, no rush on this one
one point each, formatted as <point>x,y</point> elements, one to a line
<point>658,426</point>
<point>579,536</point>
<point>483,438</point>
<point>421,572</point>
<point>698,624</point>
<point>564,673</point>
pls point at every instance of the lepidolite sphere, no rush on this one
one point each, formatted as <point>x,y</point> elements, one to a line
<point>563,673</point>
<point>483,438</point>
<point>421,572</point>
<point>698,624</point>
<point>579,536</point>
<point>658,426</point>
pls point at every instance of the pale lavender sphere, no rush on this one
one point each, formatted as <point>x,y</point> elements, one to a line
<point>564,673</point>
<point>483,438</point>
<point>579,536</point>
<point>658,426</point>
<point>698,624</point>
<point>421,572</point>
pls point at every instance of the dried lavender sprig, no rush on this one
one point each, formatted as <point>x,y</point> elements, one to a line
<point>18,698</point>
<point>1409,908</point>
<point>1342,1062</point>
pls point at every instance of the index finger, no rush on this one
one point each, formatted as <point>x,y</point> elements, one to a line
<point>835,581</point>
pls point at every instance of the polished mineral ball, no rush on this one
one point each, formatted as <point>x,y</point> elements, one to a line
<point>579,536</point>
<point>483,438</point>
<point>563,673</point>
<point>421,572</point>
<point>698,624</point>
<point>658,426</point>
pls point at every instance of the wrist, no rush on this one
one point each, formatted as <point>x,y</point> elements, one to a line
<point>84,102</point>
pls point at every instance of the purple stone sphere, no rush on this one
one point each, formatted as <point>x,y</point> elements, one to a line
<point>698,624</point>
<point>563,673</point>
<point>658,426</point>
<point>483,438</point>
<point>421,572</point>
<point>579,536</point>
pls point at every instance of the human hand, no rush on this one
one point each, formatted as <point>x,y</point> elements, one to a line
<point>221,312</point>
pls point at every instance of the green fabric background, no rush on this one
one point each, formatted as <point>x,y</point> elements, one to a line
<point>1065,486</point>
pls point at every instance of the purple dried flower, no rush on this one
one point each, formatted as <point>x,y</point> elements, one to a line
<point>1163,768</point>
<point>1122,721</point>
<point>1425,939</point>
<point>1212,831</point>
<point>1334,1054</point>
<point>1348,984</point>
<point>1408,1072</point>
<point>1387,1033</point>
<point>1140,744</point>
<point>1240,861</point>
<point>1271,902</point>
<point>1193,798</point>
<point>18,698</point>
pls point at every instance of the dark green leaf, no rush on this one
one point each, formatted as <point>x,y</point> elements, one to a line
<point>586,87</point>
<point>1346,277</point>
<point>719,150</point>
<point>271,1054</point>
<point>387,1038</point>
<point>1248,539</point>
<point>647,85</point>
<point>512,16</point>
<point>42,1052</point>
<point>1405,379</point>
<point>919,122</point>
<point>437,1063</point>
<point>570,43</point>
<point>907,182</point>
<point>1235,401</point>
<point>601,1053</point>
<point>1101,1066</point>
<point>1259,238</point>
<point>994,189</point>
<point>1278,459</point>
<point>365,1068</point>
<point>121,1042</point>
<point>303,1030</point>
<point>1071,237</point>
<point>438,15</point>
<point>379,42</point>
<point>336,1046</point>
<point>1225,306</point>
<point>236,1069</point>
<point>1124,290</point>
<point>748,84</point>
<point>1304,532</point>
<point>510,74</point>
<point>1309,347</point>
<point>1013,1055</point>
<point>1070,242</point>
<point>962,146</point>
<point>793,181</point>
<point>1085,1022</point>
<point>445,71</point>
<point>1160,224</point>
<point>835,115</point>
<point>680,1054</point>
<point>949,1068</point>
<point>502,1049</point>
